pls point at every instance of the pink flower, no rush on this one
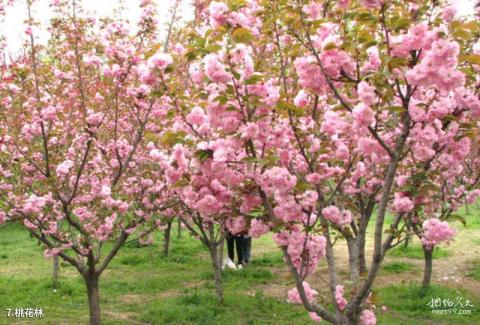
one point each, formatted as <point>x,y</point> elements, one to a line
<point>363,115</point>
<point>402,180</point>
<point>367,317</point>
<point>366,93</point>
<point>92,60</point>
<point>258,228</point>
<point>3,217</point>
<point>336,216</point>
<point>105,230</point>
<point>236,225</point>
<point>344,3</point>
<point>472,196</point>
<point>294,296</point>
<point>313,10</point>
<point>435,232</point>
<point>373,62</point>
<point>196,73</point>
<point>196,116</point>
<point>272,93</point>
<point>281,238</point>
<point>438,67</point>
<point>249,131</point>
<point>402,204</point>
<point>301,100</point>
<point>34,204</point>
<point>314,178</point>
<point>83,214</point>
<point>371,4</point>
<point>105,191</point>
<point>449,13</point>
<point>215,70</point>
<point>51,252</point>
<point>64,168</point>
<point>209,205</point>
<point>94,119</point>
<point>278,179</point>
<point>309,74</point>
<point>315,317</point>
<point>218,14</point>
<point>341,301</point>
<point>160,61</point>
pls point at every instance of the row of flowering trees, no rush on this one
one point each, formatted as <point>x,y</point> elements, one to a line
<point>308,119</point>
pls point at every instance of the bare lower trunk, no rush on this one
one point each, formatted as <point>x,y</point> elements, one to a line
<point>91,281</point>
<point>217,269</point>
<point>347,321</point>
<point>407,241</point>
<point>56,269</point>
<point>179,228</point>
<point>362,262</point>
<point>166,238</point>
<point>353,260</point>
<point>427,271</point>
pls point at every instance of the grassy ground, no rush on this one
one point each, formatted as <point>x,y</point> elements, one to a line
<point>141,287</point>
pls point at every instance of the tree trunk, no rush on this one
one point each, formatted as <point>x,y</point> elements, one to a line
<point>166,238</point>
<point>362,262</point>
<point>217,269</point>
<point>179,228</point>
<point>353,260</point>
<point>91,282</point>
<point>56,269</point>
<point>427,270</point>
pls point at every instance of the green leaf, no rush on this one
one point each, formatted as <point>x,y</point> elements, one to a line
<point>302,186</point>
<point>330,46</point>
<point>204,155</point>
<point>256,213</point>
<point>470,58</point>
<point>191,55</point>
<point>157,93</point>
<point>171,138</point>
<point>397,62</point>
<point>269,161</point>
<point>180,183</point>
<point>242,35</point>
<point>250,159</point>
<point>397,109</point>
<point>462,34</point>
<point>255,78</point>
<point>458,218</point>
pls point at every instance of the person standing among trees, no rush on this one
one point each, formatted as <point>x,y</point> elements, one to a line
<point>242,243</point>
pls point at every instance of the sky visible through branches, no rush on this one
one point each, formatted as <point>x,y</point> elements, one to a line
<point>13,27</point>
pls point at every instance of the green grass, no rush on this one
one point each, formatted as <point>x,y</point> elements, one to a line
<point>472,217</point>
<point>198,307</point>
<point>408,304</point>
<point>416,251</point>
<point>141,285</point>
<point>474,271</point>
<point>397,267</point>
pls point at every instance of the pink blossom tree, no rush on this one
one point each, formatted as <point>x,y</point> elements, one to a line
<point>319,107</point>
<point>75,115</point>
